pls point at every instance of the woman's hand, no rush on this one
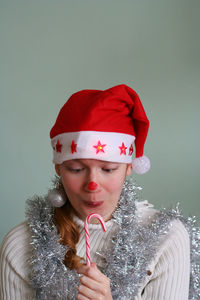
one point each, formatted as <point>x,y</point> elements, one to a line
<point>94,284</point>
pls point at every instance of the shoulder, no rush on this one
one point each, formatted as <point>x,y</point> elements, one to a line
<point>175,234</point>
<point>16,248</point>
<point>17,237</point>
<point>147,214</point>
<point>145,211</point>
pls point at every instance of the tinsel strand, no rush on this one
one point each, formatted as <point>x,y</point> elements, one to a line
<point>134,246</point>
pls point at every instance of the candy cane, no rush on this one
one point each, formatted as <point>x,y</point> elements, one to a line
<point>87,236</point>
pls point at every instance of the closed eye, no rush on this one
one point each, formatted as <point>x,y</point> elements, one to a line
<point>109,170</point>
<point>75,170</point>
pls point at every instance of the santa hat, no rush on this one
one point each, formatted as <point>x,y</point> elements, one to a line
<point>102,125</point>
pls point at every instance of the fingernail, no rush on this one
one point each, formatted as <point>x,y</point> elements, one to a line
<point>93,264</point>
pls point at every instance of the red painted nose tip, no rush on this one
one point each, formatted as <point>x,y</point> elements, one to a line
<point>92,186</point>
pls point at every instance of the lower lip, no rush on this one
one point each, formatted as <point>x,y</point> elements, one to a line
<point>93,204</point>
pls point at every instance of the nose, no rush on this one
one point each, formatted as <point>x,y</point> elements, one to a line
<point>92,186</point>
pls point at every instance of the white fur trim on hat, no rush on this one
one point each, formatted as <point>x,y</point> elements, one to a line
<point>108,146</point>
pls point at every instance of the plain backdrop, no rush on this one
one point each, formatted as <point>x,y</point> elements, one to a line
<point>50,49</point>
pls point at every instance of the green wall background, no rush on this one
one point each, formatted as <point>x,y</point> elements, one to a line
<point>50,49</point>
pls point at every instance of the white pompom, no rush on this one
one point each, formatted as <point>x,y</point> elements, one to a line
<point>141,164</point>
<point>57,197</point>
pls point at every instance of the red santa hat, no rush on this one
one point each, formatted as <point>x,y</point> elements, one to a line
<point>102,125</point>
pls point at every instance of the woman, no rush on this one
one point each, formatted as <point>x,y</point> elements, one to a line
<point>145,254</point>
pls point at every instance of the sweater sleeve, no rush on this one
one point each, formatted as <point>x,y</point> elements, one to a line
<point>170,271</point>
<point>14,254</point>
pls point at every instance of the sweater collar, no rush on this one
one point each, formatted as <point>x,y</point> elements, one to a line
<point>96,226</point>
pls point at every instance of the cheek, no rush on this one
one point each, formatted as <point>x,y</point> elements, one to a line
<point>70,184</point>
<point>115,185</point>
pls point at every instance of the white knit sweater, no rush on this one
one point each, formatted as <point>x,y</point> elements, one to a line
<point>168,277</point>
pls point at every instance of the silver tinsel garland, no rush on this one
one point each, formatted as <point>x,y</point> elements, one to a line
<point>133,248</point>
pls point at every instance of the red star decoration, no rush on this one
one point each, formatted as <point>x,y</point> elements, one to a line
<point>123,149</point>
<point>131,150</point>
<point>58,146</point>
<point>99,147</point>
<point>73,147</point>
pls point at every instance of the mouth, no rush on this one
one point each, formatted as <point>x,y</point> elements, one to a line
<point>93,204</point>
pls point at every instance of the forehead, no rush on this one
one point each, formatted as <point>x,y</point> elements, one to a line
<point>90,162</point>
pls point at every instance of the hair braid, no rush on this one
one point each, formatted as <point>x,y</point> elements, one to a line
<point>69,234</point>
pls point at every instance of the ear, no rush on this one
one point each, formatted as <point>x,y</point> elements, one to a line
<point>57,169</point>
<point>129,169</point>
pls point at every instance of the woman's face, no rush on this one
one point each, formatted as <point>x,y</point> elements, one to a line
<point>109,177</point>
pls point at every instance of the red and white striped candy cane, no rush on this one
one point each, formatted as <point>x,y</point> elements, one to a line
<point>87,236</point>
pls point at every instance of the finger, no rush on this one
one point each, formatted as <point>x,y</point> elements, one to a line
<point>86,292</point>
<point>100,287</point>
<point>94,273</point>
<point>81,297</point>
<point>91,284</point>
